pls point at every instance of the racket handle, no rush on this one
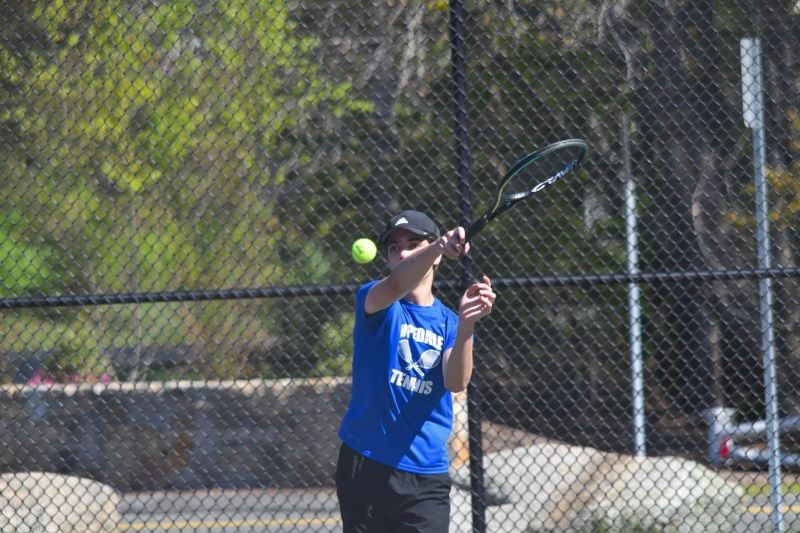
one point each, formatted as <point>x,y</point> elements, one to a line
<point>475,228</point>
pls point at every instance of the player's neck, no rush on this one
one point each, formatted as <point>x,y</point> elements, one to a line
<point>420,298</point>
<point>422,294</point>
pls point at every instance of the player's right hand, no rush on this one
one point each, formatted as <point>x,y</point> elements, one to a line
<point>454,245</point>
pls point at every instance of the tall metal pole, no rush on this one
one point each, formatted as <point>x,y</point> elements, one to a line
<point>462,167</point>
<point>753,110</point>
<point>634,307</point>
<point>632,260</point>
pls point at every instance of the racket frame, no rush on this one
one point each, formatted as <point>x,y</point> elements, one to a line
<point>504,201</point>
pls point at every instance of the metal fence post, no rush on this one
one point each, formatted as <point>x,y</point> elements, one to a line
<point>753,110</point>
<point>462,165</point>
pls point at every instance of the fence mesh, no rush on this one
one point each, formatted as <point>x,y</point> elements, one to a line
<point>181,184</point>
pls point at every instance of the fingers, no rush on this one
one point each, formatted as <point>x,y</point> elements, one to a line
<point>487,297</point>
<point>478,300</point>
<point>475,311</point>
<point>486,293</point>
<point>462,246</point>
<point>483,287</point>
<point>455,245</point>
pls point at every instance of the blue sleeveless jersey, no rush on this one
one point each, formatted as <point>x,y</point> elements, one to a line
<point>400,413</point>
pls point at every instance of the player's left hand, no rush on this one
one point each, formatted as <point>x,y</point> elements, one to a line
<point>477,301</point>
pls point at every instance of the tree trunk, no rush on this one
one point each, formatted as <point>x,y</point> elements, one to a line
<point>678,114</point>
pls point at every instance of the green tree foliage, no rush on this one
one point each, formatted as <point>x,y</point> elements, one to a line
<point>155,146</point>
<point>187,144</point>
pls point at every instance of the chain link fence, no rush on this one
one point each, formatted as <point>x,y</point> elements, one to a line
<point>181,183</point>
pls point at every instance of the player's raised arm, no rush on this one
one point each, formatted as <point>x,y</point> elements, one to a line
<point>413,247</point>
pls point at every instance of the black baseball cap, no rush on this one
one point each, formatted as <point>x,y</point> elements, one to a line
<point>413,221</point>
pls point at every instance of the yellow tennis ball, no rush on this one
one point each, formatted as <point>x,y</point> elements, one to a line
<point>364,251</point>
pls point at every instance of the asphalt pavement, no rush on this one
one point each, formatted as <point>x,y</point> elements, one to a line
<point>218,511</point>
<point>315,510</point>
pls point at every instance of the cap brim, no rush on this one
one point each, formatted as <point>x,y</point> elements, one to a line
<point>415,231</point>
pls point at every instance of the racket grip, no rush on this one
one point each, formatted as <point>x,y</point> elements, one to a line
<point>475,228</point>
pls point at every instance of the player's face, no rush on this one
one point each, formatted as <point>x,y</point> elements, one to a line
<point>402,244</point>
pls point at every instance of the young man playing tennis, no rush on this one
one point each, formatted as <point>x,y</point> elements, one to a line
<point>410,352</point>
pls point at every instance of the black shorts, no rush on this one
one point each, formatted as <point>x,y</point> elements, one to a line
<point>377,498</point>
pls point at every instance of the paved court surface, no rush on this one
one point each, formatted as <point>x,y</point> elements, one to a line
<point>758,517</point>
<point>220,511</point>
<point>229,511</point>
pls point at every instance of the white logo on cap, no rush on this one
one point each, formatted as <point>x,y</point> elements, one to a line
<point>402,220</point>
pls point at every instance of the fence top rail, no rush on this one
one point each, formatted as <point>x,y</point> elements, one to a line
<point>79,300</point>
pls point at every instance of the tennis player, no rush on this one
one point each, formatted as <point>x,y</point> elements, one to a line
<point>410,352</point>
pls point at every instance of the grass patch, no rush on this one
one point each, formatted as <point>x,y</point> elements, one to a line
<point>764,490</point>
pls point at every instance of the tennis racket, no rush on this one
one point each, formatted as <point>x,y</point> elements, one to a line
<point>533,173</point>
